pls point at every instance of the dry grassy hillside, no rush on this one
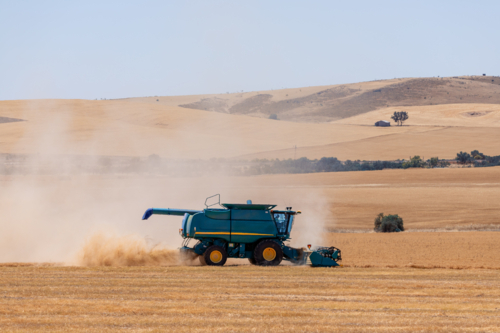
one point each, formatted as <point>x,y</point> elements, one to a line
<point>327,103</point>
<point>442,142</point>
<point>449,115</point>
<point>122,128</point>
<point>136,129</point>
<point>437,130</point>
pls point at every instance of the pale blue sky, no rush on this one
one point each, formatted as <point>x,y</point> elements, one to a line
<point>113,49</point>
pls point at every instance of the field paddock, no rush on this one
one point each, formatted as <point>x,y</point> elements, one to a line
<point>407,282</point>
<point>244,298</point>
<point>456,250</point>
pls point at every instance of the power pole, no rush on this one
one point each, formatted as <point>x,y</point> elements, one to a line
<point>295,153</point>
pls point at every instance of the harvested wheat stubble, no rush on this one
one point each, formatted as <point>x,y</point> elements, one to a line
<point>248,299</point>
<point>460,250</point>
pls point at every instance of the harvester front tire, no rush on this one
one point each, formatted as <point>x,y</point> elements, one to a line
<point>268,253</point>
<point>202,260</point>
<point>215,255</point>
<point>252,261</point>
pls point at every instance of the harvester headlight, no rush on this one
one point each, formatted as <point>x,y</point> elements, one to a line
<point>309,246</point>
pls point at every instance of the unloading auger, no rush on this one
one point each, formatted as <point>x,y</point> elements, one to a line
<point>252,231</point>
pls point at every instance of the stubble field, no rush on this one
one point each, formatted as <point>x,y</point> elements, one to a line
<point>248,299</point>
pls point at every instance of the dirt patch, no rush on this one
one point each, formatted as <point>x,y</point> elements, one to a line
<point>476,113</point>
<point>208,104</point>
<point>9,120</point>
<point>252,104</point>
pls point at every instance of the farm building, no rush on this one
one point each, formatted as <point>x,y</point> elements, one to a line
<point>383,123</point>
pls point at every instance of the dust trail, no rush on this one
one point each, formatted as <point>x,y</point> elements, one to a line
<point>132,250</point>
<point>310,226</point>
<point>57,192</point>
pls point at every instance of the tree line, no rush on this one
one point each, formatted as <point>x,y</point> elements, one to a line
<point>477,159</point>
<point>332,164</point>
<point>21,164</point>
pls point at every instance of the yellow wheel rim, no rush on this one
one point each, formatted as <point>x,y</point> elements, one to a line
<point>216,257</point>
<point>269,254</point>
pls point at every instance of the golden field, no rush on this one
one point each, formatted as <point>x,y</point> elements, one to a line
<point>248,299</point>
<point>456,250</point>
<point>441,275</point>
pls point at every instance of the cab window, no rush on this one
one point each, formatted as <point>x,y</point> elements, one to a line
<point>281,220</point>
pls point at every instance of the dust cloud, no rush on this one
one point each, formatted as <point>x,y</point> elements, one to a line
<point>52,211</point>
<point>132,250</point>
<point>310,226</point>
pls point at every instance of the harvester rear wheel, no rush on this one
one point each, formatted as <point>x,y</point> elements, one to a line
<point>268,253</point>
<point>215,255</point>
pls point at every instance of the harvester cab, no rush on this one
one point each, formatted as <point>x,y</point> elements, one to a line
<point>256,232</point>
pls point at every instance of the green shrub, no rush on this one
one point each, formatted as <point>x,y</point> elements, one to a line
<point>436,162</point>
<point>389,223</point>
<point>414,162</point>
<point>477,155</point>
<point>463,158</point>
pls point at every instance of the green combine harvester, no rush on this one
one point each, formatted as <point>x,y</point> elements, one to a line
<point>255,232</point>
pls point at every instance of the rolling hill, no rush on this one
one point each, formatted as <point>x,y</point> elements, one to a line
<point>446,115</point>
<point>329,103</point>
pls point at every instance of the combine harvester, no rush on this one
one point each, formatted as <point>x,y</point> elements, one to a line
<point>255,232</point>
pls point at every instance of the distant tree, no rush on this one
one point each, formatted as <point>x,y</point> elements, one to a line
<point>328,164</point>
<point>389,223</point>
<point>273,116</point>
<point>154,160</point>
<point>463,158</point>
<point>414,162</point>
<point>400,117</point>
<point>475,154</point>
<point>433,162</point>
